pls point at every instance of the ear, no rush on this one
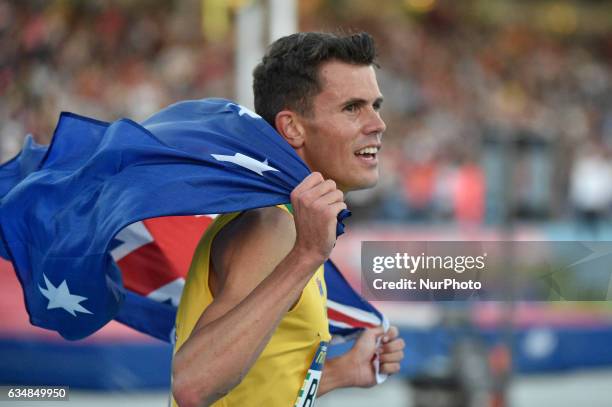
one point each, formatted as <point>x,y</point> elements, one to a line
<point>288,125</point>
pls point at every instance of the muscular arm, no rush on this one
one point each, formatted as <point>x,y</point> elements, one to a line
<point>258,277</point>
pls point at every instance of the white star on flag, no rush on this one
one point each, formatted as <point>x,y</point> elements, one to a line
<point>245,161</point>
<point>60,297</point>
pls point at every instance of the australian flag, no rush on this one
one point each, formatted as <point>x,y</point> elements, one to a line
<point>102,224</point>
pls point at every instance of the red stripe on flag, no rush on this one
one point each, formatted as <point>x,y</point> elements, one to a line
<point>168,257</point>
<point>332,314</point>
<point>146,269</point>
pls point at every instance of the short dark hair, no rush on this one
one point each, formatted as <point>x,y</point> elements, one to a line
<point>287,77</point>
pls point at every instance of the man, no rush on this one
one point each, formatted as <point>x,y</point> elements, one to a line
<point>252,317</point>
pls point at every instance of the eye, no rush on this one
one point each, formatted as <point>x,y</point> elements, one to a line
<point>376,106</point>
<point>352,107</point>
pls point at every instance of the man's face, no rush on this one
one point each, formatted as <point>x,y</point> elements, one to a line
<point>343,133</point>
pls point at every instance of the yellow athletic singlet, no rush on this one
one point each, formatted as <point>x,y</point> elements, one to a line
<point>278,374</point>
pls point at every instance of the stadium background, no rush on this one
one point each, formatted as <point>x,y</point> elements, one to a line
<point>499,119</point>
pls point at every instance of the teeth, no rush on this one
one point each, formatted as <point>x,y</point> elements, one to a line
<point>368,150</point>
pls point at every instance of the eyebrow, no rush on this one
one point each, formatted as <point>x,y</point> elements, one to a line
<point>359,101</point>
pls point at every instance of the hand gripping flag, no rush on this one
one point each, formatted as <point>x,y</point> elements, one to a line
<point>79,229</point>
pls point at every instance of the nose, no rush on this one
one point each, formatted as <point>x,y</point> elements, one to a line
<point>375,123</point>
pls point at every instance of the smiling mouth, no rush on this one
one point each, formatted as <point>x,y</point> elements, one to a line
<point>367,153</point>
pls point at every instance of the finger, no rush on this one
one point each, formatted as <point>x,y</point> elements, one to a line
<point>391,334</point>
<point>389,368</point>
<point>336,208</point>
<point>371,332</point>
<point>312,179</point>
<point>323,188</point>
<point>331,197</point>
<point>394,357</point>
<point>318,190</point>
<point>394,346</point>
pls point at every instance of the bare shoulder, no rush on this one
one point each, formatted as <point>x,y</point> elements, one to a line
<point>250,247</point>
<point>270,220</point>
<point>256,227</point>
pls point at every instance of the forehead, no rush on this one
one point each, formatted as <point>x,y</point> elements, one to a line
<point>340,80</point>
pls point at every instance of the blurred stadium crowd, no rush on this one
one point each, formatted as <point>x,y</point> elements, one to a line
<point>102,59</point>
<point>485,117</point>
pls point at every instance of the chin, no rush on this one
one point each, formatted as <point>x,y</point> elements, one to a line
<point>363,183</point>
